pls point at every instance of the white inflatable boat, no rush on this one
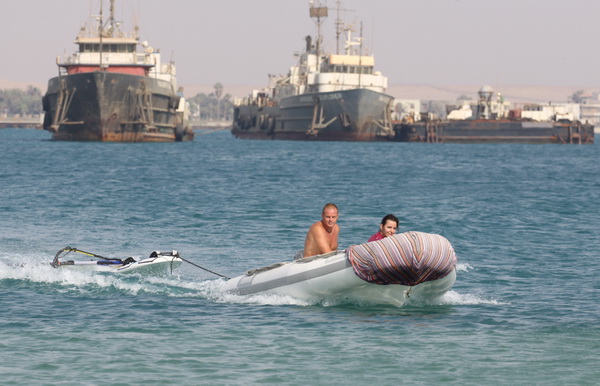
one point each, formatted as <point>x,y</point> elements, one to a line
<point>159,263</point>
<point>413,265</point>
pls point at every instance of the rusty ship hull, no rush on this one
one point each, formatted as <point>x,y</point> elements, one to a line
<point>495,131</point>
<point>348,115</point>
<point>112,107</point>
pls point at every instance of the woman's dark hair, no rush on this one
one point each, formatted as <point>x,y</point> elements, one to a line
<point>390,217</point>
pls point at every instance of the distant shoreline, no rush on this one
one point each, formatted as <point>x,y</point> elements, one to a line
<point>512,93</point>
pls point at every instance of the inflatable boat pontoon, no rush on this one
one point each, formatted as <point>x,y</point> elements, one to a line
<point>388,271</point>
<point>157,264</point>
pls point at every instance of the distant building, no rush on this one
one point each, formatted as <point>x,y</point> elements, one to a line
<point>590,108</point>
<point>405,108</point>
<point>551,112</point>
<point>492,106</point>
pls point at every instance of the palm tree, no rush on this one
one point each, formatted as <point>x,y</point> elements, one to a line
<point>218,93</point>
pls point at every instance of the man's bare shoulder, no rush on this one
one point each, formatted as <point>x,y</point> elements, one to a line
<point>316,227</point>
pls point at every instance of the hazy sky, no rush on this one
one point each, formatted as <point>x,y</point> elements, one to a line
<point>239,42</point>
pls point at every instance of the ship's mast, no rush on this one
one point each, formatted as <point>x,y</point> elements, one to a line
<point>112,15</point>
<point>338,27</point>
<point>112,23</point>
<point>108,30</point>
<point>318,14</point>
<point>101,32</point>
<point>360,56</point>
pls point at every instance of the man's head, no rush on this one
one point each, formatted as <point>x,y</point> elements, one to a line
<point>329,216</point>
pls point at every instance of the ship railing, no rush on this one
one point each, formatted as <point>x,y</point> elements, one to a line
<point>111,58</point>
<point>251,101</point>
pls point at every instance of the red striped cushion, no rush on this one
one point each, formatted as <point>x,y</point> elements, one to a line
<point>407,258</point>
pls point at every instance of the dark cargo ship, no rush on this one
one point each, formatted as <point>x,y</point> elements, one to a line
<point>492,123</point>
<point>110,92</point>
<point>325,97</point>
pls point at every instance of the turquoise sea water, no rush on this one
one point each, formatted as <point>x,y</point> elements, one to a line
<point>523,219</point>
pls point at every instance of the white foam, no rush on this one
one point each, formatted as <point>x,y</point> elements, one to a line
<point>177,286</point>
<point>264,299</point>
<point>463,267</point>
<point>260,299</point>
<point>67,279</point>
<point>454,298</point>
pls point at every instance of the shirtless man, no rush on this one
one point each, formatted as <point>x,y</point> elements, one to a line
<point>322,236</point>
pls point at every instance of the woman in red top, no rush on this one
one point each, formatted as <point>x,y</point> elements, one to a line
<point>388,227</point>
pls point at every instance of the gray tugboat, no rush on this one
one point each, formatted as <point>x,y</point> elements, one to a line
<point>325,97</point>
<point>110,92</point>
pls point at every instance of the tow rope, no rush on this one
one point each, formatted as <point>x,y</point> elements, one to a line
<point>206,269</point>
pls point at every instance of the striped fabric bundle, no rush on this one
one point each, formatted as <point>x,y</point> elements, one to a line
<point>407,258</point>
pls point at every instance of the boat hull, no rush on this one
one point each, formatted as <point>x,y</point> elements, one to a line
<point>496,131</point>
<point>331,276</point>
<point>113,107</point>
<point>349,115</point>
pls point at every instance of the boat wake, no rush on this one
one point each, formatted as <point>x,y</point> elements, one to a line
<point>38,273</point>
<point>451,298</point>
<point>457,299</point>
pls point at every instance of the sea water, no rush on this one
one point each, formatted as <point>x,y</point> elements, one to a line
<point>524,221</point>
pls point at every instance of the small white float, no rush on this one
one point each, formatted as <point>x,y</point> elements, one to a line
<point>158,263</point>
<point>412,265</point>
